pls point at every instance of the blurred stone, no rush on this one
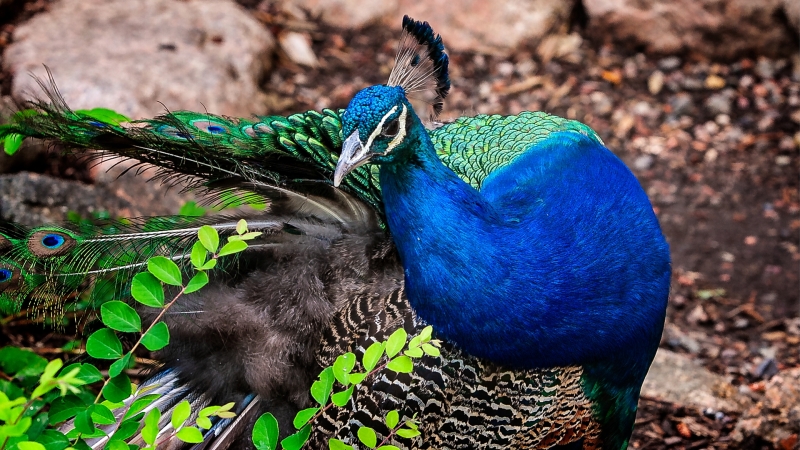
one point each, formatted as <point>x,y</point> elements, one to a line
<point>715,82</point>
<point>669,63</point>
<point>676,378</point>
<point>672,26</point>
<point>491,26</point>
<point>130,55</point>
<point>560,46</point>
<point>351,13</point>
<point>297,47</point>
<point>655,82</point>
<point>32,199</point>
<point>643,162</point>
<point>681,103</point>
<point>765,68</point>
<point>719,103</point>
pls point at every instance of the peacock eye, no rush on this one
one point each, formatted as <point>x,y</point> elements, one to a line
<point>391,128</point>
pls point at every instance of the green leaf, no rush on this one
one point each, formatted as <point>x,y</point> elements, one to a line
<point>86,372</point>
<point>103,115</point>
<point>12,143</point>
<point>341,398</point>
<point>147,290</point>
<point>367,437</point>
<point>430,350</point>
<point>83,421</point>
<point>120,316</point>
<point>241,226</point>
<point>372,355</point>
<point>65,408</point>
<point>303,416</point>
<point>139,404</point>
<point>414,352</point>
<point>388,447</point>
<point>104,344</point>
<point>408,434</point>
<point>192,209</point>
<point>343,366</point>
<point>396,342</point>
<point>426,333</point>
<point>21,363</point>
<point>165,270</point>
<point>335,444</point>
<point>321,389</point>
<point>357,377</point>
<point>198,255</point>
<point>119,365</point>
<point>102,415</point>
<point>118,388</point>
<point>296,441</point>
<point>28,445</point>
<point>116,444</point>
<point>190,435</point>
<point>157,338</point>
<point>199,280</point>
<point>127,429</point>
<point>265,432</point>
<point>392,419</point>
<point>180,413</point>
<point>232,247</point>
<point>53,440</point>
<point>209,238</point>
<point>401,364</point>
<point>210,264</point>
<point>150,430</point>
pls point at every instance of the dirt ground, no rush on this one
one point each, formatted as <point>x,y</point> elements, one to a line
<point>715,145</point>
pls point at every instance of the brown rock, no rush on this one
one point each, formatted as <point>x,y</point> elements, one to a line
<point>490,26</point>
<point>676,378</point>
<point>130,55</point>
<point>717,28</point>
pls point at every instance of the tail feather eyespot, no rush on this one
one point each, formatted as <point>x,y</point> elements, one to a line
<point>48,243</point>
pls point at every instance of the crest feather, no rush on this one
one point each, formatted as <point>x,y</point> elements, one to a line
<point>421,63</point>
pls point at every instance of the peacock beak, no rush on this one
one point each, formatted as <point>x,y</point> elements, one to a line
<point>354,155</point>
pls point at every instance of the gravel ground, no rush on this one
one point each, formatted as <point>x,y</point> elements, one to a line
<point>715,145</point>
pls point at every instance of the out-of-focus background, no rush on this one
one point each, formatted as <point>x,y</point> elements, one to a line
<point>700,97</point>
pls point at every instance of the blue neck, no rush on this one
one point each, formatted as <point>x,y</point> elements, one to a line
<point>526,283</point>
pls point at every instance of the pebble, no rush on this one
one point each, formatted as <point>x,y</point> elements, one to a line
<point>602,102</point>
<point>719,103</point>
<point>723,120</point>
<point>681,103</point>
<point>765,68</point>
<point>715,82</point>
<point>643,162</point>
<point>693,84</point>
<point>746,81</point>
<point>655,82</point>
<point>669,63</point>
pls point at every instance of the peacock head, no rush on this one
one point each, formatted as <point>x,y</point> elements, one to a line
<point>379,120</point>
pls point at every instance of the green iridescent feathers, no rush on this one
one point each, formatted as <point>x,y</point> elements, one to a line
<point>288,160</point>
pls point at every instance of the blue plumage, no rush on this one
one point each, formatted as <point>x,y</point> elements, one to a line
<point>557,261</point>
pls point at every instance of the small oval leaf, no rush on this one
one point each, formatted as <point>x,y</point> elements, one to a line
<point>157,338</point>
<point>367,437</point>
<point>396,342</point>
<point>120,316</point>
<point>147,290</point>
<point>104,344</point>
<point>209,238</point>
<point>199,280</point>
<point>232,247</point>
<point>401,364</point>
<point>265,432</point>
<point>165,270</point>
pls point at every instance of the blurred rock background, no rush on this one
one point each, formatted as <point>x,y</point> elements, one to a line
<point>700,97</point>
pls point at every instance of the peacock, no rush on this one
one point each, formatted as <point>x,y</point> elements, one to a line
<point>527,245</point>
